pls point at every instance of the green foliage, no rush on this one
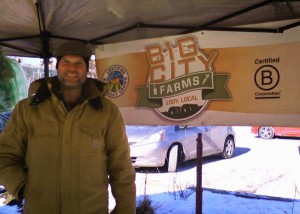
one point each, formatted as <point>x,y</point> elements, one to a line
<point>13,83</point>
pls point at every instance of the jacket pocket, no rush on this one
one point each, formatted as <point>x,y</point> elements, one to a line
<point>43,144</point>
<point>91,139</point>
<point>90,130</point>
<point>43,139</point>
<point>44,129</point>
<point>91,161</point>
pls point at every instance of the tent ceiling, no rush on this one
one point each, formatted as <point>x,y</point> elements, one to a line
<point>34,28</point>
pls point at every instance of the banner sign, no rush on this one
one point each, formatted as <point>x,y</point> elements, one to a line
<point>205,78</point>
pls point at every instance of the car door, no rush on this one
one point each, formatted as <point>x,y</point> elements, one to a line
<point>218,135</point>
<point>190,141</point>
<point>288,131</point>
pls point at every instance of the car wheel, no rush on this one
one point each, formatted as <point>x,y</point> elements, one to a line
<point>172,163</point>
<point>229,147</point>
<point>266,132</point>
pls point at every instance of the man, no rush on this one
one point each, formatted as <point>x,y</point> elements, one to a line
<point>65,143</point>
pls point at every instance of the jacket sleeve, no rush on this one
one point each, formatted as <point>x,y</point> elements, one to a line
<point>12,152</point>
<point>120,169</point>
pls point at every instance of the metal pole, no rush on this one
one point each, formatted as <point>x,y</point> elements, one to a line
<point>199,175</point>
<point>46,67</point>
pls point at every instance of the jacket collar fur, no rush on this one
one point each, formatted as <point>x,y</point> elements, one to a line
<point>41,90</point>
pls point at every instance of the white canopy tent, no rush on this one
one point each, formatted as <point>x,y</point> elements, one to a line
<point>33,28</point>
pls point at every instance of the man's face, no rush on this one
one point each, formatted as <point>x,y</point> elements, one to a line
<point>72,71</point>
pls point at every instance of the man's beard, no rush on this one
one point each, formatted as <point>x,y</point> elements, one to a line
<point>71,85</point>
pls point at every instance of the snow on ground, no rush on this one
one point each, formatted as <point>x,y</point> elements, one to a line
<point>227,203</point>
<point>213,202</point>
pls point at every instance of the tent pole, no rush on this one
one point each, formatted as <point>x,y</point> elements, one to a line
<point>199,189</point>
<point>46,67</point>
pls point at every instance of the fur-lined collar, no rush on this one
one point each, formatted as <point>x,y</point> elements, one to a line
<point>41,90</point>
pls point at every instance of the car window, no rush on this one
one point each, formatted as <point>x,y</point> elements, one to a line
<point>179,128</point>
<point>201,128</point>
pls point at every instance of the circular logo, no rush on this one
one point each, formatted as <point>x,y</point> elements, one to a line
<point>117,78</point>
<point>187,103</point>
<point>266,77</point>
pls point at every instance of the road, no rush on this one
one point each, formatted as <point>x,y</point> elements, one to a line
<point>260,167</point>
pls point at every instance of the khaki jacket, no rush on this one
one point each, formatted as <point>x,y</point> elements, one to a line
<point>65,160</point>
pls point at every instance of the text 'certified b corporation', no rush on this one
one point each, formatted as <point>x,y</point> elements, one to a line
<point>266,79</point>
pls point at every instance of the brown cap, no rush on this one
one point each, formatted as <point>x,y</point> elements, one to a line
<point>72,48</point>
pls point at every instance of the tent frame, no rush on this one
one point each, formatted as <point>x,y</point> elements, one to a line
<point>45,35</point>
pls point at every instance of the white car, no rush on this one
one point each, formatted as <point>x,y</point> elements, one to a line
<point>157,146</point>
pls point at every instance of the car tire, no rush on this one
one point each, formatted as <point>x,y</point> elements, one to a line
<point>229,147</point>
<point>173,159</point>
<point>266,132</point>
